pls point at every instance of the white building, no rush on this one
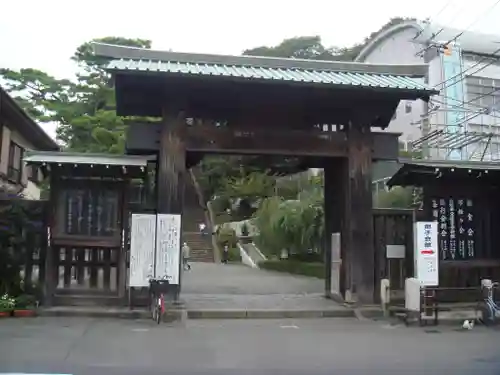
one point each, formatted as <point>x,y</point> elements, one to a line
<point>464,121</point>
<point>19,133</point>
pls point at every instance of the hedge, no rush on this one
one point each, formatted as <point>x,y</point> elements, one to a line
<point>295,267</point>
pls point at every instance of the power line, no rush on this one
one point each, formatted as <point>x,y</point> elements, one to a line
<point>484,59</point>
<point>462,106</point>
<point>464,76</point>
<point>473,22</point>
<point>429,20</point>
<point>482,15</point>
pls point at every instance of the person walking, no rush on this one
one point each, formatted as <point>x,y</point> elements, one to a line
<point>225,254</point>
<point>203,229</point>
<point>185,256</point>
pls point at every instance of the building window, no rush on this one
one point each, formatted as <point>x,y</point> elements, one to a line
<point>408,107</point>
<point>15,165</point>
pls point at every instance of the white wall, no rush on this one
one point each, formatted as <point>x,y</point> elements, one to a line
<point>399,48</point>
<point>31,190</point>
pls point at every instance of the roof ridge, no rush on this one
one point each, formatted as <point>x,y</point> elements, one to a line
<point>114,52</point>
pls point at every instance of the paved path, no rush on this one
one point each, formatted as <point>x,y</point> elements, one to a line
<point>233,286</point>
<point>271,347</point>
<point>213,278</point>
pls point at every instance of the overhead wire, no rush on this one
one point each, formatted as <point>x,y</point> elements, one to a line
<point>429,21</point>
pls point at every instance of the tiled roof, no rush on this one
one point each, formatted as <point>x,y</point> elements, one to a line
<point>278,74</point>
<point>334,73</point>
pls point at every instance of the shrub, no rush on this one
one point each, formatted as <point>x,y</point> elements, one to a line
<point>226,236</point>
<point>7,303</point>
<point>234,254</point>
<point>295,267</point>
<point>25,301</point>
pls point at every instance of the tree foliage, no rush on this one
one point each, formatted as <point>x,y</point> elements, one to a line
<point>83,109</point>
<point>16,222</point>
<point>296,225</point>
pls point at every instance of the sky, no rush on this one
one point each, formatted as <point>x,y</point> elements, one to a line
<point>44,34</point>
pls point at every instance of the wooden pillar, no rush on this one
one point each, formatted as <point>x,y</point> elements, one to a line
<point>51,264</point>
<point>171,169</point>
<point>171,165</point>
<point>122,265</point>
<point>335,171</point>
<point>358,220</point>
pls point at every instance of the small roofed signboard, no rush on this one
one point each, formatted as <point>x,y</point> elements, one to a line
<point>426,253</point>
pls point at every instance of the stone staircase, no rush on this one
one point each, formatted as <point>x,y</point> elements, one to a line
<point>193,215</point>
<point>201,246</point>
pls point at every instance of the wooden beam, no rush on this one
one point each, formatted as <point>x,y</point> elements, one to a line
<point>264,142</point>
<point>143,138</point>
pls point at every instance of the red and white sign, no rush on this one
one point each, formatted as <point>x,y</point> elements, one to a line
<point>426,253</point>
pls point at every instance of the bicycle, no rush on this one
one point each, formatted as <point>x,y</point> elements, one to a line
<point>157,289</point>
<point>489,310</point>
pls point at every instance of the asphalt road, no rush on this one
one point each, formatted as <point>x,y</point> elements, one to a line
<point>322,346</point>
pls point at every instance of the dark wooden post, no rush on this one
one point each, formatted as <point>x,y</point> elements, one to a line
<point>335,172</point>
<point>358,220</point>
<point>171,169</point>
<point>51,266</point>
<point>171,165</point>
<point>124,248</point>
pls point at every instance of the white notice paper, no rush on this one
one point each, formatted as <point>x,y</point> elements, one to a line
<point>142,247</point>
<point>168,247</point>
<point>426,253</point>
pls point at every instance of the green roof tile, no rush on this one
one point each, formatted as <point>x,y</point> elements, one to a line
<point>264,73</point>
<point>315,72</point>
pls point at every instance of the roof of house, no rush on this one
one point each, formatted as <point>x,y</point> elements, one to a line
<point>469,41</point>
<point>313,72</point>
<point>48,157</point>
<point>25,125</point>
<point>419,172</point>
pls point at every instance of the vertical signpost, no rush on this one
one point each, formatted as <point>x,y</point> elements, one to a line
<point>426,253</point>
<point>427,265</point>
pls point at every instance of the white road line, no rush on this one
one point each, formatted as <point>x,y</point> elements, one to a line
<point>292,326</point>
<point>136,330</point>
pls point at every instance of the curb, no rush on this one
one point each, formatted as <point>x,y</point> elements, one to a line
<point>181,314</point>
<point>269,314</point>
<point>114,314</point>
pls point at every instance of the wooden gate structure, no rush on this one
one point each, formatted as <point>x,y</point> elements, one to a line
<point>464,197</point>
<point>87,225</point>
<point>322,112</point>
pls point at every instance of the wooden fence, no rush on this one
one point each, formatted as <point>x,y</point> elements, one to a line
<point>393,227</point>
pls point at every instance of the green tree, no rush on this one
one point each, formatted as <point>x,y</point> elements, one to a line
<point>84,109</point>
<point>296,225</point>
